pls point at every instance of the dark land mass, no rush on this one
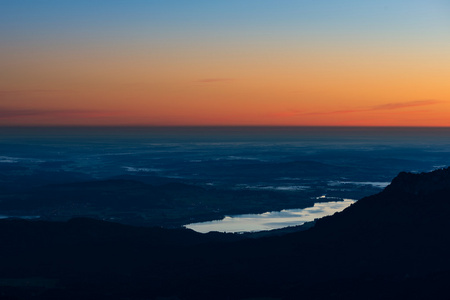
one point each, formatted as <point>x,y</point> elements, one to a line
<point>136,203</point>
<point>392,245</point>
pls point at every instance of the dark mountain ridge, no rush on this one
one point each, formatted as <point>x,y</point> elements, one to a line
<point>392,245</point>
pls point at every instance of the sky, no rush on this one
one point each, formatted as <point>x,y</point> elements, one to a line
<point>233,62</point>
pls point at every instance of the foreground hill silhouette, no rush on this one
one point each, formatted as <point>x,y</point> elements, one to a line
<point>393,245</point>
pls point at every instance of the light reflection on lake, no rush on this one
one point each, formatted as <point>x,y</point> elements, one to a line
<point>272,220</point>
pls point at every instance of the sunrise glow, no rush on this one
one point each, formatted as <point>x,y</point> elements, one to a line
<point>320,63</point>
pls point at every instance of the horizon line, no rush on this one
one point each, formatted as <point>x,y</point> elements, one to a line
<point>217,126</point>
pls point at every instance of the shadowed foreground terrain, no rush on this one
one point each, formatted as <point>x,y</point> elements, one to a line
<point>393,245</point>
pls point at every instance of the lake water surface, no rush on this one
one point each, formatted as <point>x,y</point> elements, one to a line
<point>272,220</point>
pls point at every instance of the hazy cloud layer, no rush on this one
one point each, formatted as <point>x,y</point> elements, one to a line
<point>30,91</point>
<point>398,105</point>
<point>387,106</point>
<point>20,113</point>
<point>212,80</point>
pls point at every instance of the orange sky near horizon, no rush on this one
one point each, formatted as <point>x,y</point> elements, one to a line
<point>278,79</point>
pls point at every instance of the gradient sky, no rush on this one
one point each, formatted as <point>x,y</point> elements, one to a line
<point>233,62</point>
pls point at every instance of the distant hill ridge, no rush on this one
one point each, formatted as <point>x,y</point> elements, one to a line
<point>413,201</point>
<point>421,183</point>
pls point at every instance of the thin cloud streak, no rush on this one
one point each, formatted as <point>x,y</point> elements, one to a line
<point>23,113</point>
<point>399,105</point>
<point>31,91</point>
<point>388,106</point>
<point>212,80</point>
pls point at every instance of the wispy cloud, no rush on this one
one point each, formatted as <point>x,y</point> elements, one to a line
<point>212,80</point>
<point>387,106</point>
<point>23,113</point>
<point>30,91</point>
<point>399,105</point>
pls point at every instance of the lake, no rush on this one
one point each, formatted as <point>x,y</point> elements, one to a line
<point>271,220</point>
